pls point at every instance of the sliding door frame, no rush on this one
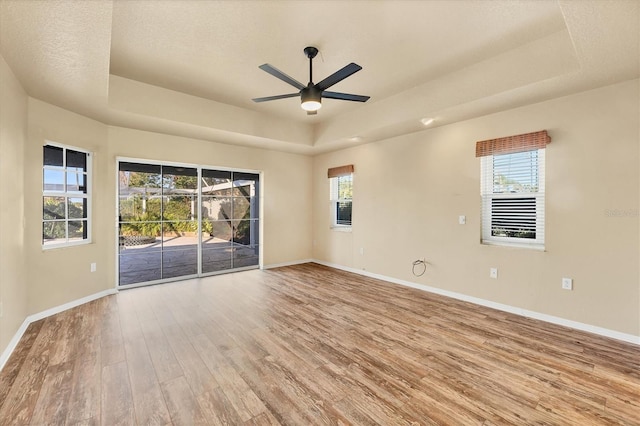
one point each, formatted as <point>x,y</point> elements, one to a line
<point>199,168</point>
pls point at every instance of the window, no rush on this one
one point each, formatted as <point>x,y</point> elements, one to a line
<point>65,196</point>
<point>341,200</point>
<point>341,194</point>
<point>512,189</point>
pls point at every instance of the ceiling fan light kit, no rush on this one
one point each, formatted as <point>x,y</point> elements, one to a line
<point>311,95</point>
<point>311,99</point>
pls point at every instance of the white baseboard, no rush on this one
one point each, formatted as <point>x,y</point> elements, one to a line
<point>44,314</point>
<point>69,305</point>
<point>13,343</point>
<point>629,338</point>
<point>292,263</point>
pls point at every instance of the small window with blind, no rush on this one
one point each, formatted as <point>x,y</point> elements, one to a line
<point>512,189</point>
<point>341,196</point>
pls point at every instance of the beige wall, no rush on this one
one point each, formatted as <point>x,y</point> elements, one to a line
<point>13,129</point>
<point>61,275</point>
<point>410,190</point>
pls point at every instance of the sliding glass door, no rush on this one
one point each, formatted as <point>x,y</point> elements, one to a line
<point>181,222</point>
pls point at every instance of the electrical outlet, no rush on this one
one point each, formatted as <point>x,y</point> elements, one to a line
<point>493,273</point>
<point>567,284</point>
<point>93,267</point>
<point>462,219</point>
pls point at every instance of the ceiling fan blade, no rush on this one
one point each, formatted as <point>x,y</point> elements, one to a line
<point>345,96</point>
<point>273,98</point>
<point>282,76</point>
<point>338,76</point>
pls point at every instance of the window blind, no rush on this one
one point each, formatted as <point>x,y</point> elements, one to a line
<point>513,198</point>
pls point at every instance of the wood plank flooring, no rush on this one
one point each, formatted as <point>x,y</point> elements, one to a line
<point>310,345</point>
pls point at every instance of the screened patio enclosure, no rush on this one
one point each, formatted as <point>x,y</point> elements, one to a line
<point>180,222</point>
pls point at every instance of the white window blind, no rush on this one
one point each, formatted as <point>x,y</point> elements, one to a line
<point>513,198</point>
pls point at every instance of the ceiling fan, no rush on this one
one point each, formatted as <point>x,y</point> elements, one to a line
<point>311,95</point>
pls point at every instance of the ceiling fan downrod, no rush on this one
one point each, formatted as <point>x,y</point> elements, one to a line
<point>311,53</point>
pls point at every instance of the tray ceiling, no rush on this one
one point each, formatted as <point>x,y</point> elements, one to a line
<point>191,67</point>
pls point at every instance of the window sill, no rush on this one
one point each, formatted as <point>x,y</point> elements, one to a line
<point>65,245</point>
<point>536,247</point>
<point>341,228</point>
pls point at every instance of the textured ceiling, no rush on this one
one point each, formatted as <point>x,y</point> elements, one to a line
<point>213,49</point>
<point>191,67</point>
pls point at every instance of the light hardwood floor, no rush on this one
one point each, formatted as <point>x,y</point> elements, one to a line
<point>310,345</point>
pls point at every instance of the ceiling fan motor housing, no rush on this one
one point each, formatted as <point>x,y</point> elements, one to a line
<point>310,93</point>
